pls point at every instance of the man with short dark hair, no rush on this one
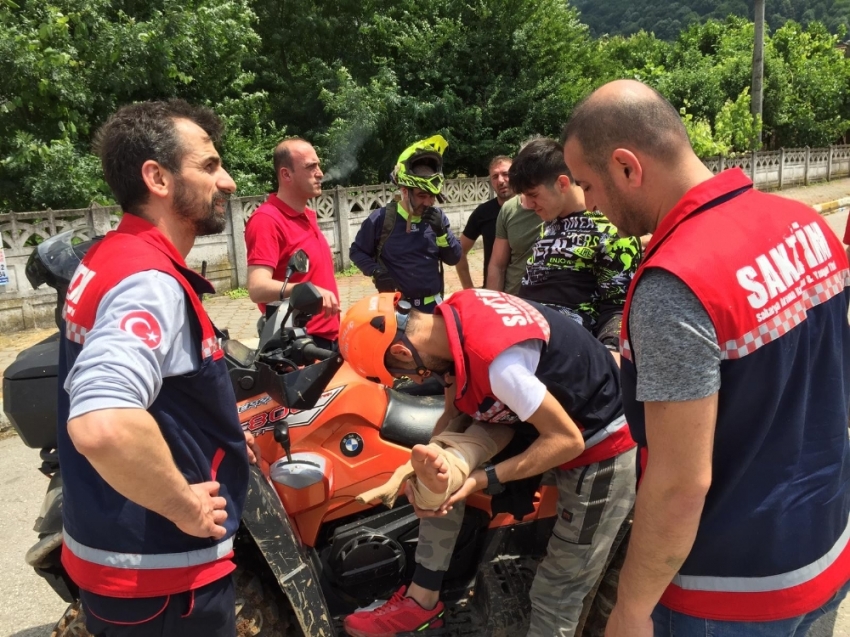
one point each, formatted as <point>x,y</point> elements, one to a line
<point>403,245</point>
<point>482,221</point>
<point>284,224</point>
<point>736,383</point>
<point>154,464</point>
<point>518,365</point>
<point>578,266</point>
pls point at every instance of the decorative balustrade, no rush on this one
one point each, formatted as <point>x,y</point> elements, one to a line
<point>340,213</point>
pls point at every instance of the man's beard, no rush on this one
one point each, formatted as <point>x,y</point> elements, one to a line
<point>622,212</point>
<point>436,365</point>
<point>203,216</point>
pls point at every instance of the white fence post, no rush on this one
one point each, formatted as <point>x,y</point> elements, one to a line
<point>781,166</point>
<point>806,166</point>
<point>341,216</point>
<point>829,164</point>
<point>240,251</point>
<point>753,163</point>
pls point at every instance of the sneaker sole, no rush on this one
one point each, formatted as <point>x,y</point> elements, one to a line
<point>353,632</point>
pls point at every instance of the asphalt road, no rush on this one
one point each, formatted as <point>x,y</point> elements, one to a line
<point>29,607</point>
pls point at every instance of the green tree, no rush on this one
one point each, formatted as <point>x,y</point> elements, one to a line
<point>68,64</point>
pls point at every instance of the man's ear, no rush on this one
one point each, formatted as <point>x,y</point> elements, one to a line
<point>400,350</point>
<point>626,168</point>
<point>158,180</point>
<point>564,183</point>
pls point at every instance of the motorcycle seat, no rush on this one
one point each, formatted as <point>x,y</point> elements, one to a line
<point>410,419</point>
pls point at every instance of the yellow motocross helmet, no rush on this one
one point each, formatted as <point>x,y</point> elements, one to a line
<point>421,165</point>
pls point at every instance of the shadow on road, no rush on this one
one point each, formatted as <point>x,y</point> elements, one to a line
<point>35,631</point>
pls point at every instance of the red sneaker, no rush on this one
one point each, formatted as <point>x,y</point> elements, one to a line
<point>399,614</point>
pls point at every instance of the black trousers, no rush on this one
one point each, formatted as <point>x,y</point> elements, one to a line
<point>209,611</point>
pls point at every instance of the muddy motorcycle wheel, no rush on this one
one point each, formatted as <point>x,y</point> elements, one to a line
<point>259,612</point>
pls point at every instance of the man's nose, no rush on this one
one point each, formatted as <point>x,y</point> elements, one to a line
<point>225,182</point>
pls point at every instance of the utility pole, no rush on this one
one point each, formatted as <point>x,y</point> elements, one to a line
<point>757,90</point>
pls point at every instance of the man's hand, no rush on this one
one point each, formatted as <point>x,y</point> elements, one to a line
<point>383,281</point>
<point>420,513</point>
<point>476,481</point>
<point>434,218</point>
<point>206,518</point>
<point>253,448</point>
<point>330,304</point>
<point>622,624</point>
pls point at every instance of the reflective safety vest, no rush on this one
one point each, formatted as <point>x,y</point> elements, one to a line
<point>113,546</point>
<point>575,368</point>
<point>773,537</point>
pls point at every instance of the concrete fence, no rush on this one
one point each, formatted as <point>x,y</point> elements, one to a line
<point>340,212</point>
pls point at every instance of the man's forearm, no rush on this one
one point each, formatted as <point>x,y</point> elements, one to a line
<point>663,533</point>
<point>462,268</point>
<point>543,454</point>
<point>495,278</point>
<point>126,447</point>
<point>268,291</point>
<point>560,441</point>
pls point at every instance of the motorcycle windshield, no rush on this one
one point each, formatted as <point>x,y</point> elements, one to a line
<point>55,260</point>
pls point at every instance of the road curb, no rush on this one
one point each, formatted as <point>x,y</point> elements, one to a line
<point>831,207</point>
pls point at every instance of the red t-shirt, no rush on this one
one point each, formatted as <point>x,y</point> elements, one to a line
<point>274,233</point>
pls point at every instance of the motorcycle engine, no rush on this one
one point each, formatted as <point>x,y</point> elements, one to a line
<point>365,564</point>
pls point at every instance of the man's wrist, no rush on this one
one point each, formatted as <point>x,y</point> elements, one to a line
<point>480,478</point>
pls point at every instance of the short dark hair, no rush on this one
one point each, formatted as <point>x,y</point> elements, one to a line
<point>137,133</point>
<point>646,123</point>
<point>540,162</point>
<point>283,155</point>
<point>497,160</point>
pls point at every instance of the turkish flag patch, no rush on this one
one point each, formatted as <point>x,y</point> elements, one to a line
<point>143,326</point>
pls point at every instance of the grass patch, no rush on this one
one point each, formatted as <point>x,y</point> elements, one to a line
<point>351,270</point>
<point>237,293</point>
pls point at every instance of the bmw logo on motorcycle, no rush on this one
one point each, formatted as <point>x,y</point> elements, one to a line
<point>351,445</point>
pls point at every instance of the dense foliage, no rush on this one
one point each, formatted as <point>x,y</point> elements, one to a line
<point>669,18</point>
<point>361,79</point>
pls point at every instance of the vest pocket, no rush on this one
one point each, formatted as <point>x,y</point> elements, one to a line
<point>123,611</point>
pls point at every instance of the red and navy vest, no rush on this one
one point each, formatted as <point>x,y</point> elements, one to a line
<point>773,537</point>
<point>575,368</point>
<point>113,546</point>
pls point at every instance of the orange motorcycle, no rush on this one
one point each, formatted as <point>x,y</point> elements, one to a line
<point>308,553</point>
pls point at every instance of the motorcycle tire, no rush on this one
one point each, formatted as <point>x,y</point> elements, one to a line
<point>258,612</point>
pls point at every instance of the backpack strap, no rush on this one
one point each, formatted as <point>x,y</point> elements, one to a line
<point>390,216</point>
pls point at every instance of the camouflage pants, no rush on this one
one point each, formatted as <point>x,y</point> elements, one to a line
<point>592,504</point>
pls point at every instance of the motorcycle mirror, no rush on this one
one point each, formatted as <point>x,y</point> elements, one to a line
<point>299,262</point>
<point>306,299</point>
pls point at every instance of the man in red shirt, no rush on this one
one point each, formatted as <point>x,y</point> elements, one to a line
<point>283,225</point>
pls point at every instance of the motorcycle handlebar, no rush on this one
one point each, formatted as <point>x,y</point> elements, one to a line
<point>319,353</point>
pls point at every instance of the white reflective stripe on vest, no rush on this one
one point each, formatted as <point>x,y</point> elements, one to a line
<point>769,583</point>
<point>606,432</point>
<point>138,561</point>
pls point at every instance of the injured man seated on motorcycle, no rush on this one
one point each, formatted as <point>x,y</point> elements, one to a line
<point>440,468</point>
